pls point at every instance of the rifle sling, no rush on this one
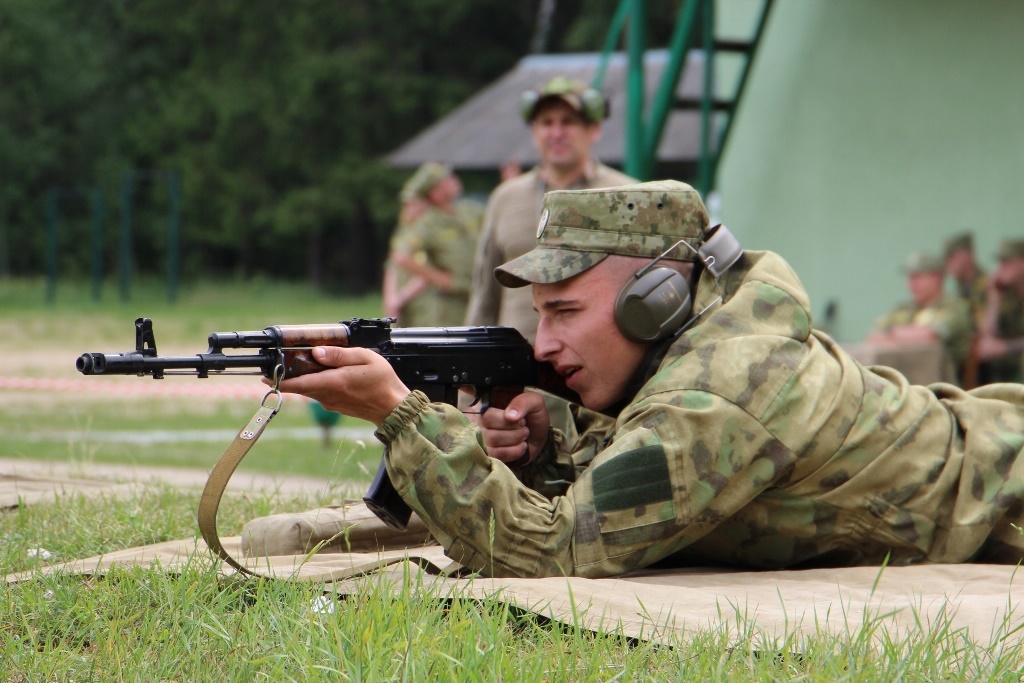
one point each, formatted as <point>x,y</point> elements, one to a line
<point>209,503</point>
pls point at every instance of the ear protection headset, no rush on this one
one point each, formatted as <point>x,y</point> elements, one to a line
<point>655,303</point>
<point>595,107</point>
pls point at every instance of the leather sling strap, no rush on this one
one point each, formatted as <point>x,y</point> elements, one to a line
<point>218,481</point>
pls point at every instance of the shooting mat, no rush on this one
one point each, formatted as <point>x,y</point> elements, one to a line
<point>982,600</point>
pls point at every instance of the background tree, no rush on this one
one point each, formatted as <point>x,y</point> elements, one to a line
<point>276,116</point>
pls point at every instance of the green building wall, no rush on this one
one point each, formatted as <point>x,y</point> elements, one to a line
<point>872,128</point>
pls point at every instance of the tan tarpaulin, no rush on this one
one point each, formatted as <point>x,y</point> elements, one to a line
<point>984,600</point>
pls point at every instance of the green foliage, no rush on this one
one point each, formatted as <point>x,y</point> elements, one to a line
<point>275,115</point>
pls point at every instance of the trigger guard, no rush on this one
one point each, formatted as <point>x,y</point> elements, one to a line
<point>478,400</point>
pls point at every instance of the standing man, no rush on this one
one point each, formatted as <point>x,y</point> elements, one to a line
<point>565,121</point>
<point>970,280</point>
<point>1001,345</point>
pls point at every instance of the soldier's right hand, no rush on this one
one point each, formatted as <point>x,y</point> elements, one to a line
<point>515,434</point>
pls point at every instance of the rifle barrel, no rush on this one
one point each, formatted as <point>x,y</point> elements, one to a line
<point>133,363</point>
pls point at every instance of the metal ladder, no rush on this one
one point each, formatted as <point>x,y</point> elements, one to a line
<point>645,124</point>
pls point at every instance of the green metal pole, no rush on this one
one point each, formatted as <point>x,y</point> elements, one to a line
<point>636,165</point>
<point>174,236</point>
<point>610,41</point>
<point>98,219</point>
<point>707,164</point>
<point>666,95</point>
<point>52,220</point>
<point>126,235</point>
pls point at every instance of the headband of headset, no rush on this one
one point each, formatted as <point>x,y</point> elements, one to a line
<point>590,103</point>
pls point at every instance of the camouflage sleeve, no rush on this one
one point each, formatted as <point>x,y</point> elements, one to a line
<point>475,507</point>
<point>408,239</point>
<point>884,322</point>
<point>950,320</point>
<point>682,463</point>
<point>674,471</point>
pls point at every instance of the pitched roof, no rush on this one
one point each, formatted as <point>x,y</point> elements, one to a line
<point>486,130</point>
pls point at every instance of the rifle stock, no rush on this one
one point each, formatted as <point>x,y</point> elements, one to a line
<point>497,363</point>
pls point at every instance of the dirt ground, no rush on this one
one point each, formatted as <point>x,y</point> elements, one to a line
<point>186,478</point>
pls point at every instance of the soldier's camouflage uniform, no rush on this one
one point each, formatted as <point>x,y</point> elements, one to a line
<point>418,311</point>
<point>756,442</point>
<point>447,241</point>
<point>948,316</point>
<point>975,294</point>
<point>1009,325</point>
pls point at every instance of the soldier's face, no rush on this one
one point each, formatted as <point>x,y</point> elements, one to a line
<point>578,335</point>
<point>446,191</point>
<point>1010,272</point>
<point>925,287</point>
<point>959,263</point>
<point>562,137</point>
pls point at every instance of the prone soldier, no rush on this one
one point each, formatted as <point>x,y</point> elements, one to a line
<point>716,425</point>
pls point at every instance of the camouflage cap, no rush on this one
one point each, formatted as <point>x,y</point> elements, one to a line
<point>579,228</point>
<point>426,177</point>
<point>964,240</point>
<point>1010,248</point>
<point>923,262</point>
<point>584,100</point>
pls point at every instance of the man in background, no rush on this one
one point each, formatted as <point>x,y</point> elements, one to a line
<point>565,119</point>
<point>968,277</point>
<point>1001,343</point>
<point>930,315</point>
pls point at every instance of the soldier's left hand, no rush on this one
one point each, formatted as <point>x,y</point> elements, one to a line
<point>358,382</point>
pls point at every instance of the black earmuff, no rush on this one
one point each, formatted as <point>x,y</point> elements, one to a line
<point>656,302</point>
<point>653,305</point>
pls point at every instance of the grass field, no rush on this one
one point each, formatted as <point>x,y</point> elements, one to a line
<point>43,341</point>
<point>150,625</point>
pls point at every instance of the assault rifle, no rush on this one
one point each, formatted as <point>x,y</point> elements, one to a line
<point>495,363</point>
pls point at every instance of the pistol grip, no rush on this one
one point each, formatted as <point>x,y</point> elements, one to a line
<point>502,396</point>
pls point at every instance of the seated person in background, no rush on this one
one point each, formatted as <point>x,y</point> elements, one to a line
<point>970,280</point>
<point>716,425</point>
<point>1001,343</point>
<point>931,315</point>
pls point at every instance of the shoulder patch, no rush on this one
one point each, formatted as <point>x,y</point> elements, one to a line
<point>632,479</point>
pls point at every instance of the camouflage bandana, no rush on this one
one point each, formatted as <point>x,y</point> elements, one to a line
<point>426,177</point>
<point>579,228</point>
<point>923,262</point>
